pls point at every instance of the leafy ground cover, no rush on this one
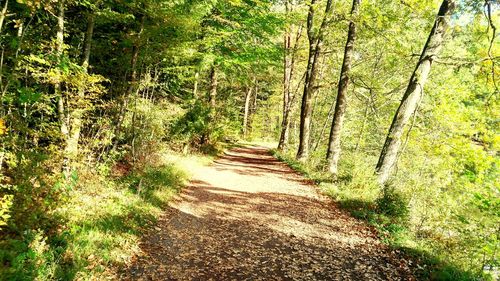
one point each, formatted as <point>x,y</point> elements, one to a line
<point>99,225</point>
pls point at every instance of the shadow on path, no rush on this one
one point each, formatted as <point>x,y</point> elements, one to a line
<point>250,217</point>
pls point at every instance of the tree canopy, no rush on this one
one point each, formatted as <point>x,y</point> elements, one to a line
<point>392,105</point>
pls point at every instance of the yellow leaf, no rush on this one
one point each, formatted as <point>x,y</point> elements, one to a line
<point>3,129</point>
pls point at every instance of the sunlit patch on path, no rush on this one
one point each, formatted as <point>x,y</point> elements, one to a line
<point>250,217</point>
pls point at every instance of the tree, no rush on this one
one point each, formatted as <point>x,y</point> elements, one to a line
<point>76,115</point>
<point>132,80</point>
<point>333,152</point>
<point>290,48</point>
<point>315,40</point>
<point>63,121</point>
<point>411,98</point>
<point>212,95</point>
<point>246,111</point>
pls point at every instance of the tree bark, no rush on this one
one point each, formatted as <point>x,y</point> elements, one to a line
<point>248,95</point>
<point>325,125</point>
<point>77,113</point>
<point>414,91</point>
<point>362,130</point>
<point>195,86</point>
<point>63,122</point>
<point>213,88</point>
<point>253,107</point>
<point>286,90</point>
<point>333,152</point>
<point>288,94</point>
<point>287,77</point>
<point>212,95</point>
<point>315,46</point>
<point>132,80</point>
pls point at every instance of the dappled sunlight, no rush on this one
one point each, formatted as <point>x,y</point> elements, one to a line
<point>249,216</point>
<point>270,210</point>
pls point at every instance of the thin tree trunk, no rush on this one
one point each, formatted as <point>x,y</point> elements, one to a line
<point>362,130</point>
<point>4,87</point>
<point>287,77</point>
<point>63,122</point>
<point>325,125</point>
<point>247,111</point>
<point>195,86</point>
<point>132,80</point>
<point>333,152</point>
<point>213,88</point>
<point>413,94</point>
<point>253,108</point>
<point>285,129</point>
<point>286,93</point>
<point>20,30</point>
<point>212,95</point>
<point>305,109</point>
<point>77,113</point>
<point>317,93</point>
<point>315,46</point>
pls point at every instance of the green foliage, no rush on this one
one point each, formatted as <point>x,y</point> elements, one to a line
<point>137,97</point>
<point>61,118</point>
<point>389,211</point>
<point>393,204</point>
<point>98,231</point>
<point>5,205</point>
<point>442,203</point>
<point>193,124</point>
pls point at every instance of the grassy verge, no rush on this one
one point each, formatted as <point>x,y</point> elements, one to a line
<point>99,224</point>
<point>386,210</point>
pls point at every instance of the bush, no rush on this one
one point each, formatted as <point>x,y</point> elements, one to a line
<point>100,225</point>
<point>393,204</point>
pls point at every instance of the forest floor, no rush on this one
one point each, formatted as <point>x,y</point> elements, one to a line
<point>249,216</point>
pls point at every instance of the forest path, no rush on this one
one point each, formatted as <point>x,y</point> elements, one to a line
<point>249,216</point>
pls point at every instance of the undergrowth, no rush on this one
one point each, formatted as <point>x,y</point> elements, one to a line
<point>99,224</point>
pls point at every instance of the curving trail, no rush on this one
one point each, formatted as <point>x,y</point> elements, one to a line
<point>249,216</point>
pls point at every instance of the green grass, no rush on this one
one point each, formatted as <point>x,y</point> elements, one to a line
<point>307,171</point>
<point>100,225</point>
<point>358,192</point>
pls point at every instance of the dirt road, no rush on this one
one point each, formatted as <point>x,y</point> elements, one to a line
<point>248,216</point>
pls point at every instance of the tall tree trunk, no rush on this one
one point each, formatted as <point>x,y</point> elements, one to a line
<point>315,46</point>
<point>253,107</point>
<point>362,130</point>
<point>63,122</point>
<point>413,94</point>
<point>286,90</point>
<point>333,153</point>
<point>132,80</point>
<point>213,88</point>
<point>77,113</point>
<point>246,113</point>
<point>212,95</point>
<point>288,93</point>
<point>287,77</point>
<point>325,125</point>
<point>195,86</point>
<point>317,93</point>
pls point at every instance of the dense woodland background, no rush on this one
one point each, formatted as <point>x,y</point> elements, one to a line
<point>95,93</point>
